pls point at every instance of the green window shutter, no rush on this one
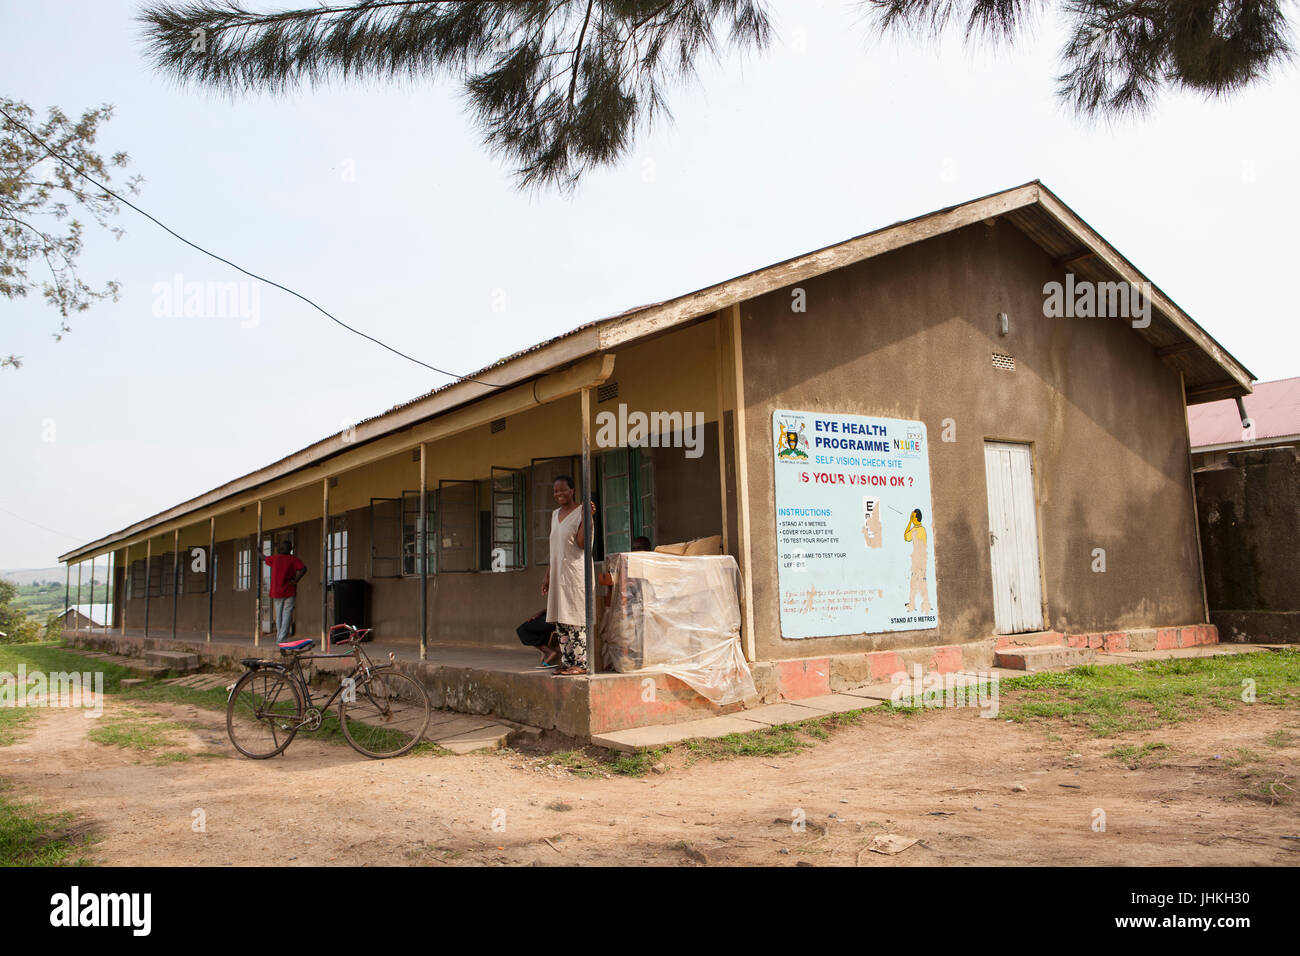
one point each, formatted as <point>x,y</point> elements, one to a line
<point>616,500</point>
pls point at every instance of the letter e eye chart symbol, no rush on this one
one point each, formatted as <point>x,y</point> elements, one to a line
<point>872,533</point>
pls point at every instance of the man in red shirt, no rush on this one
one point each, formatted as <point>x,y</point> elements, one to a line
<point>286,572</point>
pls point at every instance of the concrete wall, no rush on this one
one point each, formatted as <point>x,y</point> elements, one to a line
<point>910,335</point>
<point>1249,509</point>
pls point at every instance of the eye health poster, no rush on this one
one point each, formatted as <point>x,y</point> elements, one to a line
<point>854,529</point>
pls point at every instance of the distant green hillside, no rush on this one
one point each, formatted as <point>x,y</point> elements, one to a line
<point>39,601</point>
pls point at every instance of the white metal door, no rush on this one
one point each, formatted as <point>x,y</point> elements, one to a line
<point>1013,538</point>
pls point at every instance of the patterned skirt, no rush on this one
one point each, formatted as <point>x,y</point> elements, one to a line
<point>573,644</point>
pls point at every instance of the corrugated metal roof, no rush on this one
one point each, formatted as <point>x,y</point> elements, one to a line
<point>1274,407</point>
<point>474,376</point>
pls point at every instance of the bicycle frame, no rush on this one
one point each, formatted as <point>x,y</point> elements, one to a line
<point>363,668</point>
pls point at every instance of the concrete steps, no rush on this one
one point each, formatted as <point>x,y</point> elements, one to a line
<point>465,733</point>
<point>133,664</point>
<point>178,662</point>
<point>1043,657</point>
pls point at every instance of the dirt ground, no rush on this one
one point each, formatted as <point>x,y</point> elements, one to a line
<point>950,780</point>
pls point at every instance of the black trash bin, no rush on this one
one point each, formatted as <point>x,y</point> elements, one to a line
<point>350,602</point>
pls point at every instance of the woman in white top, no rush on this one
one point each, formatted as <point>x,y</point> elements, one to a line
<point>565,583</point>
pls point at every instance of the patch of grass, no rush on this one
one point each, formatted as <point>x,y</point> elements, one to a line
<point>151,692</point>
<point>32,837</point>
<point>1280,738</point>
<point>822,727</point>
<point>50,657</point>
<point>765,742</point>
<point>1132,754</point>
<point>427,748</point>
<point>637,764</point>
<point>975,694</point>
<point>577,763</point>
<point>1243,756</point>
<point>1114,699</point>
<point>12,720</point>
<point>134,731</point>
<point>900,709</point>
<point>768,742</point>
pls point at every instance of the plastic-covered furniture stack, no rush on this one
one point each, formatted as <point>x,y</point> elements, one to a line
<point>678,615</point>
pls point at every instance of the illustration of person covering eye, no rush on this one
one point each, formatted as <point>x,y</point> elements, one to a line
<point>915,533</point>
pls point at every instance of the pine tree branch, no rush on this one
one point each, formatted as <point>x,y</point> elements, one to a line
<point>577,53</point>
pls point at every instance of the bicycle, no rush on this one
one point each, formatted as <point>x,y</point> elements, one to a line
<point>382,712</point>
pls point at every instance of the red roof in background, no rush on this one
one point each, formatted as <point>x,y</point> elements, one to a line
<point>1274,406</point>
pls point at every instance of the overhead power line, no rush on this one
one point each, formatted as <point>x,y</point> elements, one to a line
<point>238,268</point>
<point>41,526</point>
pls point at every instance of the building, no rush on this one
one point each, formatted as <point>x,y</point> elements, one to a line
<point>1267,418</point>
<point>86,616</point>
<point>907,412</point>
<point>1248,499</point>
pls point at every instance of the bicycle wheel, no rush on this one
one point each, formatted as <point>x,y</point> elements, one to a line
<point>264,712</point>
<point>387,716</point>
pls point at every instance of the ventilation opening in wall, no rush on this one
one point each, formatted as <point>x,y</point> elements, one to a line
<point>415,454</point>
<point>1007,362</point>
<point>607,391</point>
<point>334,481</point>
<point>498,425</point>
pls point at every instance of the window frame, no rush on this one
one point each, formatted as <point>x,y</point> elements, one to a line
<point>336,549</point>
<point>244,566</point>
<point>518,517</point>
<point>410,533</point>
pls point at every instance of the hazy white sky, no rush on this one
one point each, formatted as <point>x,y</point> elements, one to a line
<point>826,136</point>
